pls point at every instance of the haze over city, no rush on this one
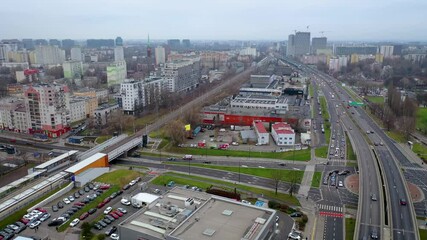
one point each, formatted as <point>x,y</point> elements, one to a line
<point>364,20</point>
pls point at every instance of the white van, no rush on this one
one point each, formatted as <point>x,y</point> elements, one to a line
<point>187,157</point>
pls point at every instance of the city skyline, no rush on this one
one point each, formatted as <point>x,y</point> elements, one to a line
<point>222,20</point>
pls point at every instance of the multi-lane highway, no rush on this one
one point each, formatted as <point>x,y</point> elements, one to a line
<point>387,216</point>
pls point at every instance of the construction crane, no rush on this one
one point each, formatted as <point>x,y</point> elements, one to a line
<point>308,27</point>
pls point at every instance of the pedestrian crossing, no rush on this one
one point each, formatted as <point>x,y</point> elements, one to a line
<point>324,207</point>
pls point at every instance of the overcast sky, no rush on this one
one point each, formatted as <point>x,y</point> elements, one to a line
<point>361,20</point>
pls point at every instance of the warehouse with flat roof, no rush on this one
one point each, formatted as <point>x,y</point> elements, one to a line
<point>186,214</point>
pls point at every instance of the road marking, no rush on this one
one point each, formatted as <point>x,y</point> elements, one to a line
<point>332,214</point>
<point>330,208</point>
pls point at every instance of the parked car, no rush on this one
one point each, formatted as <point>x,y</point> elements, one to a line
<point>107,221</point>
<point>115,216</point>
<point>55,208</point>
<point>60,205</point>
<point>74,222</point>
<point>111,230</point>
<point>115,236</point>
<point>118,213</point>
<point>84,216</point>
<point>126,187</point>
<point>108,210</point>
<point>35,224</point>
<point>66,201</point>
<point>125,202</point>
<point>296,214</point>
<point>97,226</point>
<point>102,223</point>
<point>92,210</point>
<point>122,210</point>
<point>45,217</point>
<point>71,198</point>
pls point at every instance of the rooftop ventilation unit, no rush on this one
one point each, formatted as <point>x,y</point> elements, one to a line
<point>227,212</point>
<point>209,232</point>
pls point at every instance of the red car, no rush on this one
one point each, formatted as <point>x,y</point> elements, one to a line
<point>79,204</point>
<point>104,187</point>
<point>115,216</point>
<point>84,216</point>
<point>100,205</point>
<point>106,200</point>
<point>118,213</point>
<point>24,221</point>
<point>42,210</point>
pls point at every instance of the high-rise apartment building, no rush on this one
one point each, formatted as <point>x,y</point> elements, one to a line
<point>362,50</point>
<point>119,41</point>
<point>48,109</point>
<point>174,44</point>
<point>76,54</point>
<point>5,48</point>
<point>119,54</point>
<point>160,55</point>
<point>318,43</point>
<point>182,75</point>
<point>73,69</point>
<point>387,51</point>
<point>116,73</point>
<point>54,42</point>
<point>49,55</point>
<point>13,115</point>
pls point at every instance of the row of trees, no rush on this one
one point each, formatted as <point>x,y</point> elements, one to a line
<point>397,112</point>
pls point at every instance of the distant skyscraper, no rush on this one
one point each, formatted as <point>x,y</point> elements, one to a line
<point>302,43</point>
<point>76,54</point>
<point>40,42</point>
<point>174,44</point>
<point>386,51</point>
<point>68,43</point>
<point>186,43</point>
<point>28,43</point>
<point>148,47</point>
<point>119,41</point>
<point>318,43</point>
<point>290,49</point>
<point>54,42</point>
<point>98,43</point>
<point>160,55</point>
<point>397,49</point>
<point>119,54</point>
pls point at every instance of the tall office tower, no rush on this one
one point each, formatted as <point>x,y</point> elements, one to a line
<point>160,55</point>
<point>67,43</point>
<point>397,49</point>
<point>174,44</point>
<point>290,49</point>
<point>302,43</point>
<point>119,41</point>
<point>76,54</point>
<point>148,47</point>
<point>54,42</point>
<point>28,43</point>
<point>318,43</point>
<point>386,51</point>
<point>41,42</point>
<point>186,43</point>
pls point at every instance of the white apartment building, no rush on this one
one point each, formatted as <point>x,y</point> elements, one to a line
<point>49,55</point>
<point>138,94</point>
<point>119,54</point>
<point>48,108</point>
<point>77,108</point>
<point>13,115</point>
<point>76,54</point>
<point>182,75</point>
<point>335,64</point>
<point>248,52</point>
<point>387,51</point>
<point>160,55</point>
<point>262,135</point>
<point>283,134</point>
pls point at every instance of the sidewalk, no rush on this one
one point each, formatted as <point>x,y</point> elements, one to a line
<point>411,155</point>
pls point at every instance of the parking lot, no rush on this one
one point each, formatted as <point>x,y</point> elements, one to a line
<point>213,138</point>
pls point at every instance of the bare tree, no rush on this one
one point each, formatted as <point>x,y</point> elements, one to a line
<point>277,177</point>
<point>175,130</point>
